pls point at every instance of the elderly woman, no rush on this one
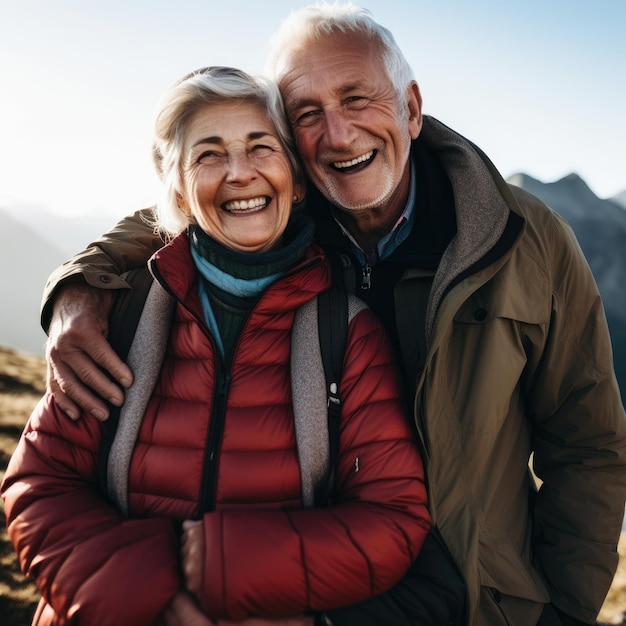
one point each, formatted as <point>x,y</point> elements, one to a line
<point>216,443</point>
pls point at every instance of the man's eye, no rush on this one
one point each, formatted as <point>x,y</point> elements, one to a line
<point>356,102</point>
<point>308,118</point>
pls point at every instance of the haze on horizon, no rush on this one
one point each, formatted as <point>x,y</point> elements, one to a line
<point>538,86</point>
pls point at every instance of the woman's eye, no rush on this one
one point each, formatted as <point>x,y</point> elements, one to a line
<point>209,156</point>
<point>262,149</point>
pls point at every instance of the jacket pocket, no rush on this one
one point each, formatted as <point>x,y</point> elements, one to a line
<point>512,591</point>
<point>502,568</point>
<point>499,609</point>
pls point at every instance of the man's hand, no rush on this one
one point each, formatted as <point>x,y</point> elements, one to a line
<point>81,364</point>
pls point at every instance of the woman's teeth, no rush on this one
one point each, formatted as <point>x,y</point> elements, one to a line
<point>245,205</point>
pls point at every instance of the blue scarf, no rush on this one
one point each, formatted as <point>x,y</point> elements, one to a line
<point>241,287</point>
<point>231,280</point>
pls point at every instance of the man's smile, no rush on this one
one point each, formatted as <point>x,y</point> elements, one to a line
<point>352,164</point>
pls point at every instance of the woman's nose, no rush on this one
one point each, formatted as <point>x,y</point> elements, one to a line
<point>240,168</point>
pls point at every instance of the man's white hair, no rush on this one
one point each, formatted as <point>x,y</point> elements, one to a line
<point>314,22</point>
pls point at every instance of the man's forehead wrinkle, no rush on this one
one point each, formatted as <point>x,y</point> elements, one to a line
<point>297,102</point>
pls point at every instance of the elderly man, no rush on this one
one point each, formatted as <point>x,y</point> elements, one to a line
<point>495,316</point>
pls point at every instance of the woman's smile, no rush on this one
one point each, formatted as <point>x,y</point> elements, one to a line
<point>246,206</point>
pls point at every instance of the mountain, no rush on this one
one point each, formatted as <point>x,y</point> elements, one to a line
<point>600,227</point>
<point>620,199</point>
<point>27,260</point>
<point>69,234</point>
<point>35,243</point>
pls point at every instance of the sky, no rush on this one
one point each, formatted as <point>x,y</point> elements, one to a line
<point>539,85</point>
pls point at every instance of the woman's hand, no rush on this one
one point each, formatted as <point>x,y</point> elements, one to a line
<point>183,611</point>
<point>184,608</point>
<point>301,620</point>
<point>192,555</point>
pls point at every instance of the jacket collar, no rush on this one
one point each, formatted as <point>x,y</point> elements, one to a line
<point>466,218</point>
<point>174,268</point>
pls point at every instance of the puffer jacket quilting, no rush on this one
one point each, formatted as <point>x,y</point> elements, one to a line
<point>265,555</point>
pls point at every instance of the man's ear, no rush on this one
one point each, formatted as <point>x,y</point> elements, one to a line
<point>414,104</point>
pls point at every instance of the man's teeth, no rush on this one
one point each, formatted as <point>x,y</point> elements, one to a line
<point>364,157</point>
<point>245,205</point>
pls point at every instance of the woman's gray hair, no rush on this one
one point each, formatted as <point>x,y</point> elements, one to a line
<point>314,22</point>
<point>209,85</point>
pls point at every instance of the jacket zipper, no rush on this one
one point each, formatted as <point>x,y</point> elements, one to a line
<point>214,442</point>
<point>218,409</point>
<point>366,277</point>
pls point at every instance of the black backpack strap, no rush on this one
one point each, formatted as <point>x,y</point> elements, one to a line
<point>123,319</point>
<point>333,332</point>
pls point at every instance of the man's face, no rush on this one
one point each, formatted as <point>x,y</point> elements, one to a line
<point>351,131</point>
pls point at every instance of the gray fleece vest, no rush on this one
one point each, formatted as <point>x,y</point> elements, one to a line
<point>308,385</point>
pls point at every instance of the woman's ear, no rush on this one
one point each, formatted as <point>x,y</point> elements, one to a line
<point>298,193</point>
<point>181,203</point>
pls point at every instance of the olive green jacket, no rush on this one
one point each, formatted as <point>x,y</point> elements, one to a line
<point>518,364</point>
<point>519,361</point>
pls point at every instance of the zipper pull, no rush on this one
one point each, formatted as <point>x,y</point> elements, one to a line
<point>366,281</point>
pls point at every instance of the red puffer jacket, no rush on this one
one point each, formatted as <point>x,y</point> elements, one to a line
<point>220,446</point>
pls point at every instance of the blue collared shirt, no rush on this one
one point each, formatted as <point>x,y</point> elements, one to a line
<point>390,242</point>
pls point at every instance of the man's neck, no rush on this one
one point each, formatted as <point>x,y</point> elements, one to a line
<point>369,226</point>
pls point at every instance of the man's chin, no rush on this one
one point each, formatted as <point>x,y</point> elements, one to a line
<point>354,203</point>
<point>346,200</point>
<point>353,197</point>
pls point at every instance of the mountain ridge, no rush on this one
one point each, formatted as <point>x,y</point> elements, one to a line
<point>599,225</point>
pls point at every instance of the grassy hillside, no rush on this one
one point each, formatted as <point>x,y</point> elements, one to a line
<point>21,385</point>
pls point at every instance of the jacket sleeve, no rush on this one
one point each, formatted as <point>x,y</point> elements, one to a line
<point>128,245</point>
<point>579,439</point>
<point>90,564</point>
<point>276,562</point>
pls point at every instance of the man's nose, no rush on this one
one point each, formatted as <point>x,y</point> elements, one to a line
<point>339,131</point>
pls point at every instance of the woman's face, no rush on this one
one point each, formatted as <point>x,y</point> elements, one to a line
<point>237,180</point>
